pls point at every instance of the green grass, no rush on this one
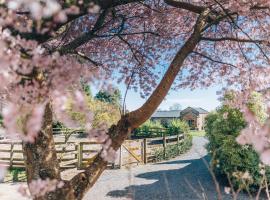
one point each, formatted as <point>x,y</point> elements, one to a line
<point>197,133</point>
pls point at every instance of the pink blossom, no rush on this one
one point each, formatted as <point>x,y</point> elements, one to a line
<point>265,157</point>
<point>39,188</point>
<point>225,115</point>
<point>227,190</point>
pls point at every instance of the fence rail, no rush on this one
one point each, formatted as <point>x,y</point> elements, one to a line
<point>79,154</point>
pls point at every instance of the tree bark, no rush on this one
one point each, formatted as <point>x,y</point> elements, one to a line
<point>40,157</point>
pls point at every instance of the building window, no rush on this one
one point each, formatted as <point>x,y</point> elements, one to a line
<point>191,122</point>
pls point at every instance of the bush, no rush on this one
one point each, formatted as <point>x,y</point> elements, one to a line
<point>177,126</point>
<point>145,129</point>
<point>17,174</point>
<point>58,125</point>
<point>174,150</point>
<point>227,156</point>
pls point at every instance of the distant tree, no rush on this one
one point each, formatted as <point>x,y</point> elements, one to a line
<point>86,88</point>
<point>175,106</point>
<point>113,97</point>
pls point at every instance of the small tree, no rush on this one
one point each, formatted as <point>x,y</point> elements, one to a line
<point>176,126</point>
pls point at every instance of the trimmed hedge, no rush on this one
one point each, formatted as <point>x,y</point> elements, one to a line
<point>174,150</point>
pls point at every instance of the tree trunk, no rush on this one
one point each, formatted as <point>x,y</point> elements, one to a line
<point>40,157</point>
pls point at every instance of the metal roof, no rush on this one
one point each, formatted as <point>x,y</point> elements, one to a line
<point>196,110</point>
<point>167,114</point>
<point>201,110</point>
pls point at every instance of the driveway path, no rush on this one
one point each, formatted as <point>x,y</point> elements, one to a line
<point>181,178</point>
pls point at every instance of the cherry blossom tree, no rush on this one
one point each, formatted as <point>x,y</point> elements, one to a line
<point>49,47</point>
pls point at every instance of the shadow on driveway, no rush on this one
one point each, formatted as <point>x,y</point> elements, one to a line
<point>186,183</point>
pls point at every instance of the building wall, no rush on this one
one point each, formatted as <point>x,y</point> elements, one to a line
<point>201,121</point>
<point>196,122</point>
<point>191,119</point>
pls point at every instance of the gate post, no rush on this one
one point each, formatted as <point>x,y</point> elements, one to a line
<point>79,155</point>
<point>145,150</point>
<point>164,145</point>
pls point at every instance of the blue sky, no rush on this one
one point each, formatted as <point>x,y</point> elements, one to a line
<point>205,98</point>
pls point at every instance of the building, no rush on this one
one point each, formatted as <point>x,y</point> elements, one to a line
<point>165,116</point>
<point>195,117</point>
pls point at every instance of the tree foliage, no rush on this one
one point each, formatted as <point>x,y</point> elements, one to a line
<point>113,97</point>
<point>177,126</point>
<point>229,158</point>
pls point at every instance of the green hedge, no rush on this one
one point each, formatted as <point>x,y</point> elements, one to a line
<point>173,128</point>
<point>174,150</point>
<point>228,158</point>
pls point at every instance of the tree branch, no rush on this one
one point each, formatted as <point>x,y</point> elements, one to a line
<point>212,60</point>
<point>84,38</point>
<point>186,6</point>
<point>235,39</point>
<point>140,115</point>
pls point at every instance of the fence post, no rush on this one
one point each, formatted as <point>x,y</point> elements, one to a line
<point>120,157</point>
<point>145,150</point>
<point>178,143</point>
<point>79,155</point>
<point>11,155</point>
<point>164,145</point>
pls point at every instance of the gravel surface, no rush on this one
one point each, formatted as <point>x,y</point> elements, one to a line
<point>182,178</point>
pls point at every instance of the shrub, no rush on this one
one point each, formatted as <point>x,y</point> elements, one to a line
<point>174,150</point>
<point>227,156</point>
<point>17,174</point>
<point>176,126</point>
<point>58,124</point>
<point>146,129</point>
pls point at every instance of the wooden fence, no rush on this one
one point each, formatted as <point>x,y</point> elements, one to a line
<point>79,154</point>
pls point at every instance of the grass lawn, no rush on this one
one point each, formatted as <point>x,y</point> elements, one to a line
<point>197,133</point>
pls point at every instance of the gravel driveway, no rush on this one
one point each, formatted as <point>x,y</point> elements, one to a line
<point>182,178</point>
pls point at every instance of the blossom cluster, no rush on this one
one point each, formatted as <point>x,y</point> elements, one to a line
<point>39,188</point>
<point>30,83</point>
<point>100,135</point>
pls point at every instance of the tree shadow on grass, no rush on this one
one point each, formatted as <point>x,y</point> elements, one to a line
<point>186,183</point>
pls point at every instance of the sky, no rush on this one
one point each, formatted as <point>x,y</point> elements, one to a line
<point>204,98</point>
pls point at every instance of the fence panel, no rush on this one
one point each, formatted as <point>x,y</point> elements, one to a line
<point>79,154</point>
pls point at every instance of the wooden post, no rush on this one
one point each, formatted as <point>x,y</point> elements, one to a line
<point>145,150</point>
<point>76,154</point>
<point>120,157</point>
<point>164,145</point>
<point>11,155</point>
<point>178,143</point>
<point>79,155</point>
